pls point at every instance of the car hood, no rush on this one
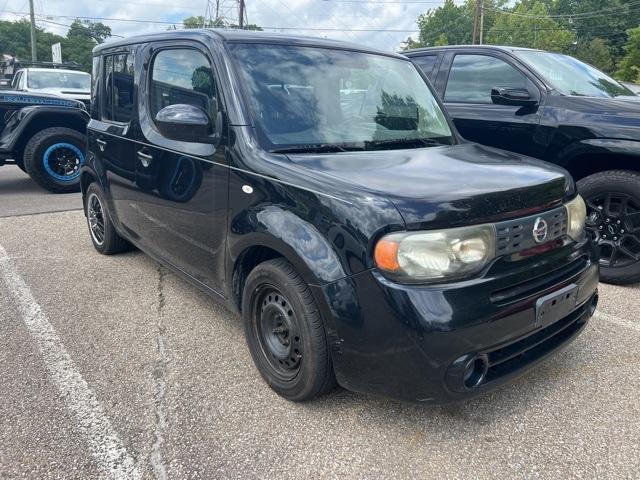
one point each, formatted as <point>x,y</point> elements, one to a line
<point>65,92</point>
<point>20,98</point>
<point>449,185</point>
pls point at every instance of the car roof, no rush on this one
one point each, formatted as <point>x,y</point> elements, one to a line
<point>503,48</point>
<point>61,70</point>
<point>241,36</point>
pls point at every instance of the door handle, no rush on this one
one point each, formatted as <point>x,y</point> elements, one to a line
<point>145,159</point>
<point>101,144</point>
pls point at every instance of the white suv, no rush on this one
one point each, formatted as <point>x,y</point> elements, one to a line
<point>64,83</point>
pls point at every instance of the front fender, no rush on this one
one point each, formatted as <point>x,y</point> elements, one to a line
<point>22,119</point>
<point>297,240</point>
<point>591,146</point>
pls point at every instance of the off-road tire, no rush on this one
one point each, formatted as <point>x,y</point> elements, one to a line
<point>34,157</point>
<point>314,375</point>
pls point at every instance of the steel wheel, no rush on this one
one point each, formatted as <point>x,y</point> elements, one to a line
<point>95,216</point>
<point>614,219</point>
<point>278,332</point>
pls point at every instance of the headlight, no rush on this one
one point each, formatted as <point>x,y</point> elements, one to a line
<point>436,255</point>
<point>576,217</point>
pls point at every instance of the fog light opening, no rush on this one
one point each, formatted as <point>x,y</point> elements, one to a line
<point>474,372</point>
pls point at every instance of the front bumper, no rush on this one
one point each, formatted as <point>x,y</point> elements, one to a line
<point>413,342</point>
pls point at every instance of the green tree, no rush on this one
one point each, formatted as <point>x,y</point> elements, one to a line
<point>612,20</point>
<point>454,21</point>
<point>596,52</point>
<point>15,40</point>
<point>630,62</point>
<point>528,25</point>
<point>82,36</point>
<point>451,24</point>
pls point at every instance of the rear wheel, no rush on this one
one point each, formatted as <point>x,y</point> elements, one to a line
<point>53,158</point>
<point>104,237</point>
<point>613,216</point>
<point>285,332</point>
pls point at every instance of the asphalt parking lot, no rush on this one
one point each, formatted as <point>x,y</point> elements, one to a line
<point>112,367</point>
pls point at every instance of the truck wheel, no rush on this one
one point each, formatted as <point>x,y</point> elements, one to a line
<point>104,237</point>
<point>285,332</point>
<point>20,165</point>
<point>613,215</point>
<point>53,158</point>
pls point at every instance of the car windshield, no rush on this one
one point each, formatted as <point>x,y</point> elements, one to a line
<point>570,76</point>
<point>320,99</point>
<point>61,80</point>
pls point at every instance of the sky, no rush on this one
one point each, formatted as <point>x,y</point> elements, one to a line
<point>304,17</point>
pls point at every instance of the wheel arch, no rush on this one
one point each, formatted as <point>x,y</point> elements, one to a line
<point>38,120</point>
<point>274,232</point>
<point>600,155</point>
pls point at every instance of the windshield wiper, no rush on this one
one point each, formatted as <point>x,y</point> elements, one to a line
<point>318,148</point>
<point>403,142</point>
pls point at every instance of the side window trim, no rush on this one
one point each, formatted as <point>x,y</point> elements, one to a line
<point>151,63</point>
<point>434,66</point>
<point>449,66</point>
<point>150,132</point>
<point>104,87</point>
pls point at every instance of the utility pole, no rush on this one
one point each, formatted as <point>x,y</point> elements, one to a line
<point>241,15</point>
<point>34,54</point>
<point>481,19</point>
<point>476,19</point>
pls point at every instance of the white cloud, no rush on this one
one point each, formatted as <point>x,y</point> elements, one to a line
<point>316,14</point>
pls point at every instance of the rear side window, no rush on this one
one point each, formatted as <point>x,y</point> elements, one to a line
<point>16,80</point>
<point>118,86</point>
<point>473,76</point>
<point>426,64</point>
<point>182,76</point>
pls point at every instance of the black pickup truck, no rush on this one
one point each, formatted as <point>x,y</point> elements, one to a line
<point>45,136</point>
<point>559,109</point>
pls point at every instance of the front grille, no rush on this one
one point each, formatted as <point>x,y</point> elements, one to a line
<point>516,235</point>
<point>537,283</point>
<point>513,356</point>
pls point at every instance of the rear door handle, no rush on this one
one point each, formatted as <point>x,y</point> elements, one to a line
<point>145,159</point>
<point>101,144</point>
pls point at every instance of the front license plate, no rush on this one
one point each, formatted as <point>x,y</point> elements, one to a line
<point>556,305</point>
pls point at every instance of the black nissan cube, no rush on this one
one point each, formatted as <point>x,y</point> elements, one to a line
<point>319,189</point>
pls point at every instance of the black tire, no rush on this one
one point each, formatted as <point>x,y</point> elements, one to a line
<point>108,241</point>
<point>53,158</point>
<point>613,209</point>
<point>20,165</point>
<point>274,293</point>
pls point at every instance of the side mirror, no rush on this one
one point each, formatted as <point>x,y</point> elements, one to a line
<point>518,97</point>
<point>185,123</point>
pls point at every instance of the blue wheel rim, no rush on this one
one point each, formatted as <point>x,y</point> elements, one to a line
<point>62,161</point>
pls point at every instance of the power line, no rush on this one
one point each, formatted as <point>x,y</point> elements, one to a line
<point>162,22</point>
<point>582,15</point>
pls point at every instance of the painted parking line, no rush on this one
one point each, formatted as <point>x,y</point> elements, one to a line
<point>107,449</point>
<point>623,322</point>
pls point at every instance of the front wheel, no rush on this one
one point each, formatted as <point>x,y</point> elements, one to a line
<point>613,216</point>
<point>285,332</point>
<point>53,158</point>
